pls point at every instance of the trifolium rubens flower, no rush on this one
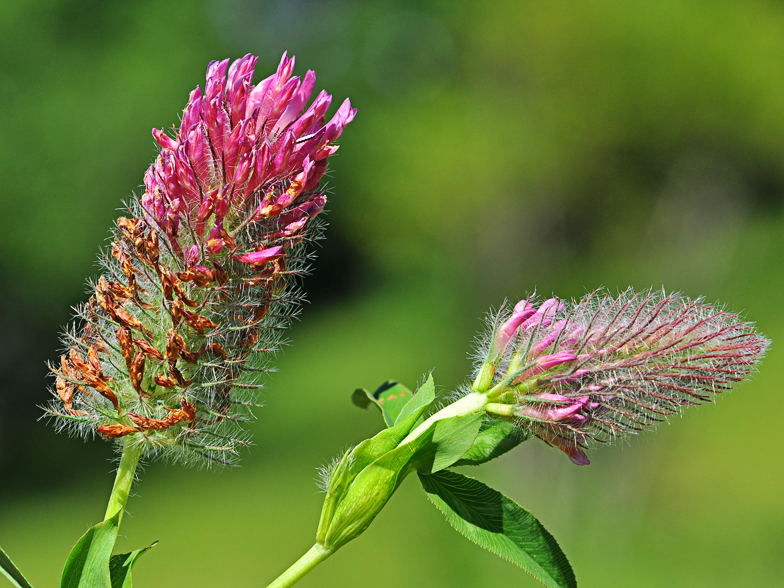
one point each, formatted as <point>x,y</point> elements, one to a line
<point>197,283</point>
<point>599,368</point>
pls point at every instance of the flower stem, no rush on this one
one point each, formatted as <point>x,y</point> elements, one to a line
<point>468,404</point>
<point>302,566</point>
<point>124,480</point>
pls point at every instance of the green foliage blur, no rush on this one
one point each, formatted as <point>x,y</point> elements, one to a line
<point>500,147</point>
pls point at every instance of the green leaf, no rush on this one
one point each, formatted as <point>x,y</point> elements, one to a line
<point>391,397</point>
<point>88,563</point>
<point>362,398</point>
<point>11,572</point>
<point>385,441</point>
<point>495,438</point>
<point>120,566</point>
<point>424,397</point>
<point>500,525</point>
<point>446,441</point>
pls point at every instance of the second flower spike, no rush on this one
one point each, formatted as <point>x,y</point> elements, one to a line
<point>604,367</point>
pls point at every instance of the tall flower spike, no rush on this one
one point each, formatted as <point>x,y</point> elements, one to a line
<point>197,286</point>
<point>604,367</point>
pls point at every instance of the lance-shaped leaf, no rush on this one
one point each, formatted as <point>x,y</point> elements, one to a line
<point>405,420</point>
<point>495,438</point>
<point>120,566</point>
<point>406,406</point>
<point>88,563</point>
<point>445,442</point>
<point>390,398</point>
<point>500,525</point>
<point>11,572</point>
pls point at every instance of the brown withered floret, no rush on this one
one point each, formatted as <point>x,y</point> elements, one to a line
<point>123,335</point>
<point>125,318</point>
<point>95,362</point>
<point>249,338</point>
<point>201,276</point>
<point>118,290</point>
<point>65,390</point>
<point>217,349</point>
<point>165,381</point>
<point>126,226</point>
<point>124,258</point>
<point>220,274</point>
<point>104,297</point>
<point>197,321</point>
<point>177,375</point>
<point>187,413</point>
<point>190,356</point>
<point>152,246</point>
<point>136,373</point>
<point>168,281</point>
<point>148,349</point>
<point>174,343</point>
<point>176,309</point>
<point>84,372</point>
<point>115,431</point>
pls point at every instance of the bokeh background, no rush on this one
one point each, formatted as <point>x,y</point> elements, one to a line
<point>500,147</point>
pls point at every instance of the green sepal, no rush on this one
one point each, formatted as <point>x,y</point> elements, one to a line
<point>11,572</point>
<point>495,438</point>
<point>87,565</point>
<point>120,566</point>
<point>500,525</point>
<point>362,501</point>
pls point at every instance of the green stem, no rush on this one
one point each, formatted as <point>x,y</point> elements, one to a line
<point>124,480</point>
<point>468,404</point>
<point>303,565</point>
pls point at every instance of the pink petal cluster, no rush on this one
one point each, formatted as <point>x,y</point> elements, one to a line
<point>243,155</point>
<point>604,366</point>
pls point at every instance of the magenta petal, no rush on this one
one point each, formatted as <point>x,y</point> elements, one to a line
<point>296,104</point>
<point>550,361</point>
<point>548,339</point>
<point>522,311</point>
<point>192,113</point>
<point>164,140</point>
<point>343,116</point>
<point>192,255</point>
<point>543,315</point>
<point>260,257</point>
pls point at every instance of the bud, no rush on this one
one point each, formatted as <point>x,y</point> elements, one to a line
<point>604,367</point>
<point>198,283</point>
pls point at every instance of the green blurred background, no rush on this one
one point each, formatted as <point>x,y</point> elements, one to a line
<point>500,147</point>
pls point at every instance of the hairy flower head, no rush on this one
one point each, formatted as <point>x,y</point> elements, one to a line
<point>603,367</point>
<point>197,285</point>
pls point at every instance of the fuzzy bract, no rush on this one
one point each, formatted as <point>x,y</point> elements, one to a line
<point>197,285</point>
